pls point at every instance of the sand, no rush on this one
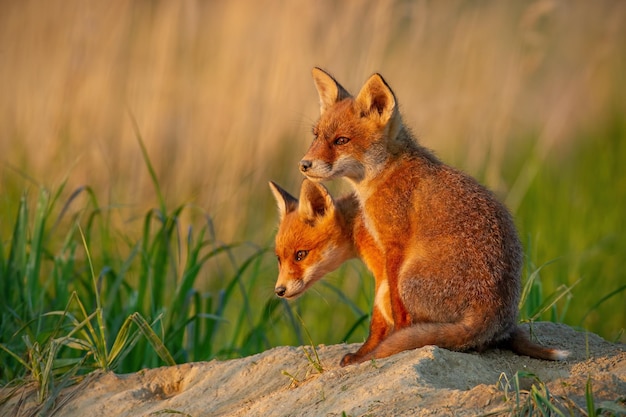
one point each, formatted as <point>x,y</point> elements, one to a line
<point>429,381</point>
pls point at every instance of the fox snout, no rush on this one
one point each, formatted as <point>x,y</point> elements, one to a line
<point>316,169</point>
<point>280,291</point>
<point>305,164</point>
<point>292,289</point>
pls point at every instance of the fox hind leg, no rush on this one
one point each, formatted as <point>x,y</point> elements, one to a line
<point>459,336</point>
<point>401,316</point>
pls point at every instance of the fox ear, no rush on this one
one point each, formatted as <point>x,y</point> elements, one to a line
<point>329,90</point>
<point>315,201</point>
<point>286,202</point>
<point>376,99</point>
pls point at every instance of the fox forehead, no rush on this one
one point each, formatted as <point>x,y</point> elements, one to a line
<point>296,234</point>
<point>342,119</point>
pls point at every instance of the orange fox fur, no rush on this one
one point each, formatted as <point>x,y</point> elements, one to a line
<point>317,234</point>
<point>333,232</point>
<point>450,255</point>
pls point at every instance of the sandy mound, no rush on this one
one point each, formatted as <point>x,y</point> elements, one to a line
<point>427,381</point>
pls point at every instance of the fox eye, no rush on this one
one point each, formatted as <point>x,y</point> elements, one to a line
<point>342,140</point>
<point>301,254</point>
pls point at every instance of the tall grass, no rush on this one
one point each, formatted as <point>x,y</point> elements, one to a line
<point>571,217</point>
<point>538,400</point>
<point>74,302</point>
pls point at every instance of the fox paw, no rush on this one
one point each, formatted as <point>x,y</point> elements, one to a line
<point>349,359</point>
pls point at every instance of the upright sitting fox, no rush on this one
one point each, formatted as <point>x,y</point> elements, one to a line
<point>444,251</point>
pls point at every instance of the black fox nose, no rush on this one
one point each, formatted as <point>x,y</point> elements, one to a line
<point>280,291</point>
<point>305,165</point>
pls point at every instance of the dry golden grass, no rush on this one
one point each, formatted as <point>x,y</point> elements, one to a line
<point>223,96</point>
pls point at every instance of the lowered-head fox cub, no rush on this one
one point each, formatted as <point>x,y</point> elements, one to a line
<point>317,234</point>
<point>450,255</point>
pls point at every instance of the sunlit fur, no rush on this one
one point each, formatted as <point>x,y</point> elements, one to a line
<point>332,232</point>
<point>452,258</point>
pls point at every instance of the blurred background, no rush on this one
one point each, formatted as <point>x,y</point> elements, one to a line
<point>527,96</point>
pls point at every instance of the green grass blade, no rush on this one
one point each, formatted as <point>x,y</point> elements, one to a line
<point>602,300</point>
<point>146,159</point>
<point>542,399</point>
<point>13,277</point>
<point>257,338</point>
<point>176,314</point>
<point>153,339</point>
<point>360,321</point>
<point>113,295</point>
<point>75,343</point>
<point>317,364</point>
<point>3,268</point>
<point>293,322</point>
<point>36,251</point>
<point>15,356</point>
<point>120,342</point>
<point>67,204</point>
<point>47,381</point>
<point>245,312</point>
<point>591,408</point>
<point>345,300</point>
<point>100,337</point>
<point>527,289</point>
<point>611,408</point>
<point>549,302</point>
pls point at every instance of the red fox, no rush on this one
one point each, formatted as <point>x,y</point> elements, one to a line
<point>317,234</point>
<point>450,255</point>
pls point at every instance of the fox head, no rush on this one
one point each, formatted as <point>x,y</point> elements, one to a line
<point>312,238</point>
<point>354,137</point>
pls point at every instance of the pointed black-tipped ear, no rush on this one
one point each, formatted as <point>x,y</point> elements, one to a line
<point>329,90</point>
<point>286,202</point>
<point>377,100</point>
<point>315,201</point>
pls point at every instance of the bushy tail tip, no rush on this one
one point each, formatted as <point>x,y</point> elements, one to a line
<point>521,344</point>
<point>560,355</point>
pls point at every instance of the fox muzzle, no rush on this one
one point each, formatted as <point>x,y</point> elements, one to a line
<point>305,165</point>
<point>280,291</point>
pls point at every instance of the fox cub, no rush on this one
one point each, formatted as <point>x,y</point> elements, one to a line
<point>316,234</point>
<point>450,258</point>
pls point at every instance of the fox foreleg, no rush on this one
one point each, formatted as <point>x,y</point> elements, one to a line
<point>379,330</point>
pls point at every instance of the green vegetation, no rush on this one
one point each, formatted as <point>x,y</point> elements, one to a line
<point>113,260</point>
<point>571,217</point>
<point>538,400</point>
<point>82,296</point>
<point>63,316</point>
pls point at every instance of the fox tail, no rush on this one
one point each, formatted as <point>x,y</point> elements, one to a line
<point>521,344</point>
<point>457,336</point>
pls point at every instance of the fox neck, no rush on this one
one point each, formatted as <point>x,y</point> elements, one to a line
<point>347,210</point>
<point>397,143</point>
